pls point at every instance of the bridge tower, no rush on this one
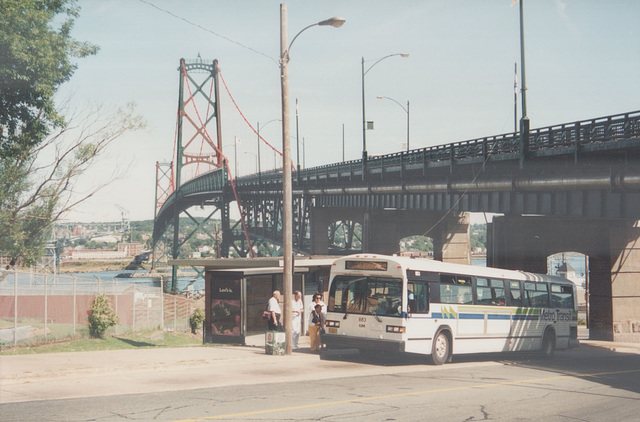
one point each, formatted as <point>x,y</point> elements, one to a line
<point>198,149</point>
<point>164,187</point>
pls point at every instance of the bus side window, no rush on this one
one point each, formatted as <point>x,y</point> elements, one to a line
<point>536,295</point>
<point>456,289</point>
<point>561,296</point>
<point>515,293</point>
<point>490,292</point>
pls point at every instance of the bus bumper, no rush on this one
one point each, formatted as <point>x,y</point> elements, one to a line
<point>335,341</point>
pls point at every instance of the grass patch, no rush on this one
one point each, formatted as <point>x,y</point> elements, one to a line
<point>144,340</point>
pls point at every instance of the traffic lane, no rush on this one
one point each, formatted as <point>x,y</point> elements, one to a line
<point>526,388</point>
<point>584,384</point>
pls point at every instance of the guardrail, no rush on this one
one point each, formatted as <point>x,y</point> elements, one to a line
<point>603,133</point>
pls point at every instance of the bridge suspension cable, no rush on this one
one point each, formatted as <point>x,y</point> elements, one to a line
<point>245,118</point>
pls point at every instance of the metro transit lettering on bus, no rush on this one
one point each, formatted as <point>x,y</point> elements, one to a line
<point>556,315</point>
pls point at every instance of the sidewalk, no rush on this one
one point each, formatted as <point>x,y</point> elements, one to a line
<point>91,374</point>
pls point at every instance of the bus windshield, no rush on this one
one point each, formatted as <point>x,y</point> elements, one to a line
<point>366,295</point>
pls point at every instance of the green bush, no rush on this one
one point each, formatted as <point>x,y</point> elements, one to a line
<point>196,320</point>
<point>101,316</point>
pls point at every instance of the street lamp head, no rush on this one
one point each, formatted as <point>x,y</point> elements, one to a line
<point>335,21</point>
<point>404,55</point>
<point>380,97</point>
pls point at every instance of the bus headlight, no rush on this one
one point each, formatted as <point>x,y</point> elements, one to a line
<point>335,324</point>
<point>395,329</point>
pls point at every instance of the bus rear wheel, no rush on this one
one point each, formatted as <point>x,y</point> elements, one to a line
<point>548,343</point>
<point>441,348</point>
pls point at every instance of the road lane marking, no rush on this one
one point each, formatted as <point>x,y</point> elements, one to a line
<point>391,396</point>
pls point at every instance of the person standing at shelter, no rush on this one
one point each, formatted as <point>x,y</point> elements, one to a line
<point>297,308</point>
<point>318,311</point>
<point>273,306</point>
<point>317,319</point>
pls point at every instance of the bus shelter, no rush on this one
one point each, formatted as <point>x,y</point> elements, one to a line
<point>235,298</point>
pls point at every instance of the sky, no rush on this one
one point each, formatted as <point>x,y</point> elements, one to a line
<point>581,61</point>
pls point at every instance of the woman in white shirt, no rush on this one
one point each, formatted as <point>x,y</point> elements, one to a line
<point>297,308</point>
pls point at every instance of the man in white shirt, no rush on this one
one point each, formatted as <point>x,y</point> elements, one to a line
<point>273,306</point>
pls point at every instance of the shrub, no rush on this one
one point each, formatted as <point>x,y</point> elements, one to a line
<point>196,320</point>
<point>101,316</point>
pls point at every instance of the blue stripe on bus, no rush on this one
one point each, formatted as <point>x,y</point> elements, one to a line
<point>504,317</point>
<point>500,316</point>
<point>526,317</point>
<point>471,316</point>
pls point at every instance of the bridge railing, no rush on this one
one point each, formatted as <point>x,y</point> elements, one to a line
<point>551,140</point>
<point>213,181</point>
<point>605,129</point>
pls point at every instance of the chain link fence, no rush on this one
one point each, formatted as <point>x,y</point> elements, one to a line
<point>39,308</point>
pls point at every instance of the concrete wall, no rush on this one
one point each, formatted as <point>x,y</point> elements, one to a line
<point>625,281</point>
<point>524,243</point>
<point>383,230</point>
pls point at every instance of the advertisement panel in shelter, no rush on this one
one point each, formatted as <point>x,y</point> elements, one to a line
<point>226,318</point>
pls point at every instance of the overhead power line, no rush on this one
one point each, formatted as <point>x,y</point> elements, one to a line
<point>208,30</point>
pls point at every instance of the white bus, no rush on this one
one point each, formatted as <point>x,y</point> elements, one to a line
<point>401,304</point>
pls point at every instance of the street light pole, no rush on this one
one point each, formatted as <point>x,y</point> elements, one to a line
<point>364,117</point>
<point>364,123</point>
<point>406,110</point>
<point>343,142</point>
<point>287,200</point>
<point>259,173</point>
<point>297,144</point>
<point>259,139</point>
<point>524,121</point>
<point>235,155</point>
<point>257,164</point>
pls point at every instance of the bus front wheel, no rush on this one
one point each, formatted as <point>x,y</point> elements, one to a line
<point>441,348</point>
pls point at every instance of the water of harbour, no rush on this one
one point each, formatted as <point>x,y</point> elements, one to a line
<point>191,282</point>
<point>124,277</point>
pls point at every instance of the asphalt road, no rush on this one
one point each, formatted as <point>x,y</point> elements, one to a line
<point>587,384</point>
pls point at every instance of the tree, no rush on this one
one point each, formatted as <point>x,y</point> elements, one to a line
<point>35,59</point>
<point>38,188</point>
<point>43,151</point>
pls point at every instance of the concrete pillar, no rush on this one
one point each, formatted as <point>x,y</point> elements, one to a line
<point>599,299</point>
<point>319,222</point>
<point>381,232</point>
<point>625,281</point>
<point>451,240</point>
<point>456,247</point>
<point>517,243</point>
